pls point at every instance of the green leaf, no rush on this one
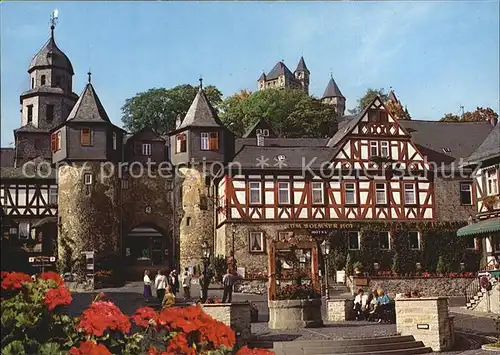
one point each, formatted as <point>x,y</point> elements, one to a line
<point>14,348</point>
<point>50,349</point>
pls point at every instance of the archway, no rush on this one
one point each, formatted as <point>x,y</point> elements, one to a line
<point>147,246</point>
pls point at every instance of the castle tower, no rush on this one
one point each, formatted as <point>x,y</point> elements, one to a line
<point>86,147</point>
<point>47,102</point>
<point>200,147</point>
<point>302,74</point>
<point>333,96</point>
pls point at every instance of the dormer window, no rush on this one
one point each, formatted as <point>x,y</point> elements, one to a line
<point>42,80</point>
<point>55,141</point>
<point>85,137</point>
<point>146,149</point>
<point>210,141</point>
<point>262,132</point>
<point>180,143</point>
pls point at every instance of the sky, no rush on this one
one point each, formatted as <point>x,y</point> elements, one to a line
<point>436,55</point>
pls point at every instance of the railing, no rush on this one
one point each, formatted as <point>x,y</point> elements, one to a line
<point>472,290</point>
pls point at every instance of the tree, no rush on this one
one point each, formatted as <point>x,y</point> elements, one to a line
<point>480,114</point>
<point>158,108</point>
<point>367,98</point>
<point>292,113</point>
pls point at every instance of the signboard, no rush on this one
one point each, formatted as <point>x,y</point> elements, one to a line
<point>41,260</point>
<point>322,226</point>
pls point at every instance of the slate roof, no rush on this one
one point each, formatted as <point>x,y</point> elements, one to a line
<point>279,69</point>
<point>201,113</point>
<point>282,142</point>
<point>262,77</point>
<point>301,66</point>
<point>258,122</point>
<point>252,157</point>
<point>30,128</point>
<point>489,149</point>
<point>88,108</point>
<point>51,55</point>
<point>7,157</point>
<point>347,125</point>
<point>446,142</point>
<point>332,89</point>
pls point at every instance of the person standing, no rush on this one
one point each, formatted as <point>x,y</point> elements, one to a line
<point>173,280</point>
<point>186,284</point>
<point>147,293</point>
<point>228,283</point>
<point>203,281</point>
<point>160,285</point>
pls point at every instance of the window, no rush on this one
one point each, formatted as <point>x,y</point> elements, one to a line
<point>30,113</point>
<point>350,194</point>
<point>258,132</point>
<point>24,230</point>
<point>32,83</point>
<point>384,149</point>
<point>491,182</point>
<point>380,194</point>
<point>374,149</point>
<point>384,241</point>
<point>42,80</point>
<point>255,193</point>
<point>85,137</point>
<point>213,141</point>
<point>50,113</point>
<point>317,192</point>
<point>114,140</point>
<point>283,192</point>
<point>180,143</point>
<point>265,132</point>
<point>256,242</point>
<point>55,141</point>
<point>471,243</point>
<point>53,196</point>
<point>466,193</point>
<point>87,179</point>
<point>204,141</point>
<point>146,149</point>
<point>409,190</point>
<point>353,240</point>
<point>414,239</point>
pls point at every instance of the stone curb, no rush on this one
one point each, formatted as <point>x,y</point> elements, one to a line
<point>488,347</point>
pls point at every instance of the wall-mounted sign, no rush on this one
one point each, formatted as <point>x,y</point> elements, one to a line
<point>422,326</point>
<point>322,226</point>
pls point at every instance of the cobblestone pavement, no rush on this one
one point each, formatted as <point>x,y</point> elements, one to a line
<point>472,327</point>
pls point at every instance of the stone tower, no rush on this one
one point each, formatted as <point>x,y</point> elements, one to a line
<point>86,147</point>
<point>333,96</point>
<point>47,102</point>
<point>200,146</point>
<point>302,74</point>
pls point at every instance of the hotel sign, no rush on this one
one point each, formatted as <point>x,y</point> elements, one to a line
<point>322,226</point>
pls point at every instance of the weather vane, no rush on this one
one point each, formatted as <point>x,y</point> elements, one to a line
<point>54,18</point>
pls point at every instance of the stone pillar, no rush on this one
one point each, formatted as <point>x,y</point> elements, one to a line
<point>235,315</point>
<point>339,310</point>
<point>427,319</point>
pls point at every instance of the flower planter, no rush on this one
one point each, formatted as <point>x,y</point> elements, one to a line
<point>294,314</point>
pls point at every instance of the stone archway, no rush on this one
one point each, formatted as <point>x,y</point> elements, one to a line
<point>147,246</point>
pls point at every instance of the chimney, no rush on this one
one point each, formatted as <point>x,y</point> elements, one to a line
<point>260,140</point>
<point>178,121</point>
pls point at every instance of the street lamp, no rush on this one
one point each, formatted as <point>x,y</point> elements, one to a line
<point>325,250</point>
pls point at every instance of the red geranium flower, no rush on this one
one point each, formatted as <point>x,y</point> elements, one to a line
<point>144,315</point>
<point>14,280</point>
<point>179,345</point>
<point>51,275</point>
<point>90,348</point>
<point>57,296</point>
<point>101,316</point>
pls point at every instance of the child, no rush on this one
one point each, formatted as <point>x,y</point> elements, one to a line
<point>169,299</point>
<point>147,286</point>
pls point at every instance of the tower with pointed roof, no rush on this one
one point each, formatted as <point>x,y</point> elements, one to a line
<point>333,96</point>
<point>281,77</point>
<point>200,146</point>
<point>302,74</point>
<point>46,103</point>
<point>86,148</point>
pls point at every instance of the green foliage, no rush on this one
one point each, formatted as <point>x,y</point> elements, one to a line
<point>367,98</point>
<point>292,113</point>
<point>396,264</point>
<point>337,259</point>
<point>158,108</point>
<point>357,265</point>
<point>480,114</point>
<point>441,266</point>
<point>348,265</point>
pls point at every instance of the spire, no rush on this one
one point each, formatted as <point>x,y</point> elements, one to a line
<point>89,76</point>
<point>53,22</point>
<point>332,89</point>
<point>88,108</point>
<point>201,83</point>
<point>392,96</point>
<point>302,65</point>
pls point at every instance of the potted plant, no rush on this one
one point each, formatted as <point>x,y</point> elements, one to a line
<point>357,268</point>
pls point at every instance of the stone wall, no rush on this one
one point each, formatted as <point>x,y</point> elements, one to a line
<point>89,214</point>
<point>447,196</point>
<point>340,310</point>
<point>427,319</point>
<point>235,315</point>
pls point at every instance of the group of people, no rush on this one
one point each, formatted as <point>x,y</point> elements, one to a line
<point>166,287</point>
<point>375,306</point>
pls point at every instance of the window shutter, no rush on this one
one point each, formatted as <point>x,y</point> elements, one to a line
<point>53,142</point>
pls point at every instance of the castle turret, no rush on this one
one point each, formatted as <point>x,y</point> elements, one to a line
<point>302,74</point>
<point>46,103</point>
<point>200,147</point>
<point>87,147</point>
<point>333,96</point>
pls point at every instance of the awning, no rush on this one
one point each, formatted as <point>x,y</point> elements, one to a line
<point>44,221</point>
<point>487,226</point>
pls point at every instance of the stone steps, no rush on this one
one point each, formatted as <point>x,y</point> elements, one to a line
<point>395,345</point>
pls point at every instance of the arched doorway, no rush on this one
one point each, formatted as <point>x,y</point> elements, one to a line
<point>146,246</point>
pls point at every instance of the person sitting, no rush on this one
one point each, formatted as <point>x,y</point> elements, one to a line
<point>372,305</point>
<point>169,298</point>
<point>360,304</point>
<point>383,302</point>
